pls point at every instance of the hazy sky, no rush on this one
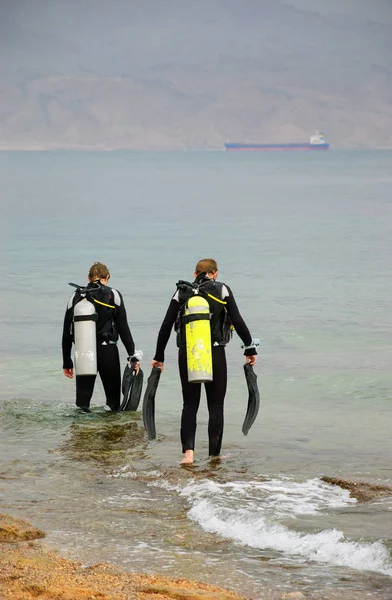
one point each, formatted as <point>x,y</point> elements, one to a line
<point>110,36</point>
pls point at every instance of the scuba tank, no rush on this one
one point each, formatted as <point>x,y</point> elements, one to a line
<point>198,339</point>
<point>85,335</point>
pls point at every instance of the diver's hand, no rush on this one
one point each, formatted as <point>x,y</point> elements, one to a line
<point>158,364</point>
<point>136,366</point>
<point>251,359</point>
<point>68,373</point>
<point>134,361</point>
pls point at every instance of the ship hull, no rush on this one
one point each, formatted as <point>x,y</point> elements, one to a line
<point>237,147</point>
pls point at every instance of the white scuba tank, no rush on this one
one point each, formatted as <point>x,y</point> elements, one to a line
<point>85,338</point>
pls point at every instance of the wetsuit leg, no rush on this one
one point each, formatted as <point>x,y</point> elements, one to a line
<point>216,392</point>
<point>108,362</point>
<point>84,390</point>
<point>191,393</point>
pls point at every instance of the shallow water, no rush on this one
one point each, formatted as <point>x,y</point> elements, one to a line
<point>304,242</point>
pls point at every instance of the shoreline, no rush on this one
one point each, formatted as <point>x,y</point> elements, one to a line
<point>29,570</point>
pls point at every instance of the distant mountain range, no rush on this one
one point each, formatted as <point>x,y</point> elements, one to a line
<point>186,74</point>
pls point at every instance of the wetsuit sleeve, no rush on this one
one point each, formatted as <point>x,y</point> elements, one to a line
<point>239,323</point>
<point>122,324</point>
<point>165,330</point>
<point>67,339</point>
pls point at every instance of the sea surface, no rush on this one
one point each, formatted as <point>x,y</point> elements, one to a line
<point>305,242</point>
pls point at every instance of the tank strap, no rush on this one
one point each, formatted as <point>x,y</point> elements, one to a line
<point>93,317</point>
<point>197,317</point>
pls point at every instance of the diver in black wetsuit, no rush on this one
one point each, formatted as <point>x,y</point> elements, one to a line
<point>112,323</point>
<point>222,305</point>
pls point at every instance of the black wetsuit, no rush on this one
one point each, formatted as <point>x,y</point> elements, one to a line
<point>112,322</point>
<point>215,390</point>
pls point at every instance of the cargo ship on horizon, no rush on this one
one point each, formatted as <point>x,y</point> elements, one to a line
<point>316,142</point>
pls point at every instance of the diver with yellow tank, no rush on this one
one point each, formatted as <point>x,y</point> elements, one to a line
<point>204,314</point>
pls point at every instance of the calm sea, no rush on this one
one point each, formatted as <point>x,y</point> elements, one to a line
<point>304,241</point>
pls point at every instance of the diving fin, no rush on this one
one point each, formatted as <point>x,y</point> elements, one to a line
<point>132,384</point>
<point>149,403</point>
<point>253,398</point>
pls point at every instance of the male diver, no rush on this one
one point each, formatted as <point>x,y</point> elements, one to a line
<point>224,316</point>
<point>110,324</point>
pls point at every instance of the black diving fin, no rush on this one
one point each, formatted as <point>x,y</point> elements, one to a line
<point>253,398</point>
<point>149,403</point>
<point>132,384</point>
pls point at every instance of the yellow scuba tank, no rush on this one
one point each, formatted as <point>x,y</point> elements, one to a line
<point>198,340</point>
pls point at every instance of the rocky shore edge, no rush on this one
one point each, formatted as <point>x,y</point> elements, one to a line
<point>29,571</point>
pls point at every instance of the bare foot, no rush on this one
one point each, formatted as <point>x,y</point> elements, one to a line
<point>188,457</point>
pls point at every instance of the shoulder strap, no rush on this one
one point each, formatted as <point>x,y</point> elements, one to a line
<point>216,295</point>
<point>103,303</point>
<point>103,296</point>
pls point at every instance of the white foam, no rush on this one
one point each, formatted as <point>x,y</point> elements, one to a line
<point>249,514</point>
<point>127,473</point>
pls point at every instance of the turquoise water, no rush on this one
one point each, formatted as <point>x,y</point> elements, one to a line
<point>305,244</point>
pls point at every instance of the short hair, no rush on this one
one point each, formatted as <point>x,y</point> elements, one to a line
<point>206,265</point>
<point>98,271</point>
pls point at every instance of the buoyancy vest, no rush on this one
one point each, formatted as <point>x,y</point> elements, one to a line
<point>103,301</point>
<point>211,290</point>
